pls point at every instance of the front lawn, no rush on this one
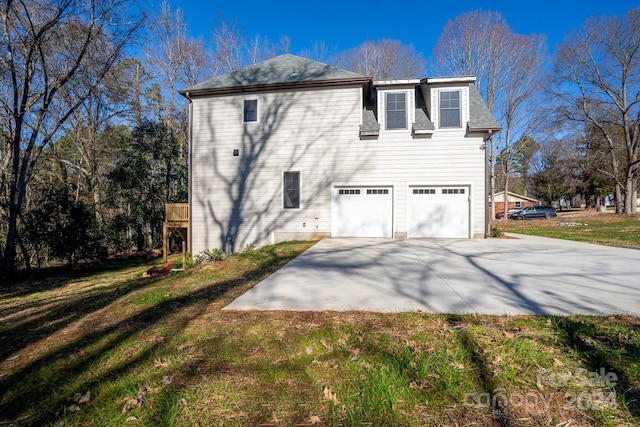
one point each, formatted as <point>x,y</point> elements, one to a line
<point>115,348</point>
<point>582,226</point>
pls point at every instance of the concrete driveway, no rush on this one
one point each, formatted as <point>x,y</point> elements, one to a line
<point>520,275</point>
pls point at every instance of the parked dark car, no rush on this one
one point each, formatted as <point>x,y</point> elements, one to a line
<point>532,212</point>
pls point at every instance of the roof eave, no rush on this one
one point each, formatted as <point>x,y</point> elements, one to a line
<point>423,131</point>
<point>491,130</point>
<point>274,86</point>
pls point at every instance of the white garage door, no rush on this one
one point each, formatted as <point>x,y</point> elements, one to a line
<point>362,212</point>
<point>438,212</point>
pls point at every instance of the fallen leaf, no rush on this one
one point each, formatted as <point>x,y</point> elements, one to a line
<point>157,340</point>
<point>458,365</point>
<point>315,419</point>
<point>81,398</point>
<point>330,395</point>
<point>73,408</point>
<point>557,362</point>
<point>166,380</point>
<point>161,363</point>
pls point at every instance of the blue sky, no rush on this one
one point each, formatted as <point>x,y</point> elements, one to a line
<point>345,24</point>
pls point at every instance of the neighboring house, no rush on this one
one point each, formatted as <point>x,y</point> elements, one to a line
<point>514,200</point>
<point>291,148</point>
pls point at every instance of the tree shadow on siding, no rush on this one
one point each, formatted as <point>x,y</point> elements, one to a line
<point>237,204</point>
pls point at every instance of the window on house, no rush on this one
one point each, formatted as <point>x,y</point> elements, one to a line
<point>518,205</point>
<point>396,110</point>
<point>450,109</point>
<point>291,190</point>
<point>250,110</point>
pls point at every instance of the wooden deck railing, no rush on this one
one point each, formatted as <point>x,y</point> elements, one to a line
<point>177,212</point>
<point>176,217</point>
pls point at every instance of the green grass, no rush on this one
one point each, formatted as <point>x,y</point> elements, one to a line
<point>605,229</point>
<point>160,351</point>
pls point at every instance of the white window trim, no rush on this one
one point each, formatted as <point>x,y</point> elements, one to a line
<point>460,116</point>
<point>300,205</point>
<point>383,113</point>
<point>257,110</point>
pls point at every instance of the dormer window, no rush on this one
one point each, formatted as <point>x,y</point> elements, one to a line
<point>396,110</point>
<point>250,113</point>
<point>450,109</point>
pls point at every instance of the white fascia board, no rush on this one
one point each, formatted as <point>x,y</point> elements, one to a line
<point>463,79</point>
<point>396,82</point>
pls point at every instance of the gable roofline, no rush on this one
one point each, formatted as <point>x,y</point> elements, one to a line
<point>278,73</point>
<point>510,193</point>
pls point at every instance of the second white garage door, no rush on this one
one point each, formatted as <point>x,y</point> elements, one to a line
<point>438,212</point>
<point>362,212</point>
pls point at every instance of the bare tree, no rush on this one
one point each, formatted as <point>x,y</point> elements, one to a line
<point>319,51</point>
<point>507,66</point>
<point>522,80</point>
<point>177,59</point>
<point>55,54</point>
<point>384,59</point>
<point>597,82</point>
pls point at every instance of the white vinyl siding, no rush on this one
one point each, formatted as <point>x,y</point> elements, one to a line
<point>317,132</point>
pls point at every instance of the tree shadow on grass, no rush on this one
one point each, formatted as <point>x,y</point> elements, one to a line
<point>485,373</point>
<point>34,319</point>
<point>605,351</point>
<point>35,393</point>
<point>45,279</point>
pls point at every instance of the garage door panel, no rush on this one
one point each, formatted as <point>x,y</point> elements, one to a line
<point>438,212</point>
<point>362,212</point>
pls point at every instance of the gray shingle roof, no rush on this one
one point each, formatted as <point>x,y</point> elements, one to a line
<point>480,116</point>
<point>370,125</point>
<point>285,68</point>
<point>422,123</point>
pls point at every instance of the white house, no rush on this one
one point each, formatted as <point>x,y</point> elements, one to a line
<point>291,149</point>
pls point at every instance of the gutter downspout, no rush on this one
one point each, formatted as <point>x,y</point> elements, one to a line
<point>487,232</point>
<point>189,178</point>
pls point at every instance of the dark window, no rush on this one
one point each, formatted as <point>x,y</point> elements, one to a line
<point>378,191</point>
<point>251,110</point>
<point>450,109</point>
<point>396,111</point>
<point>292,190</point>
<point>349,191</point>
<point>424,191</point>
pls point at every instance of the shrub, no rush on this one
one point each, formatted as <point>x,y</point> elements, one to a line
<point>208,255</point>
<point>496,232</point>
